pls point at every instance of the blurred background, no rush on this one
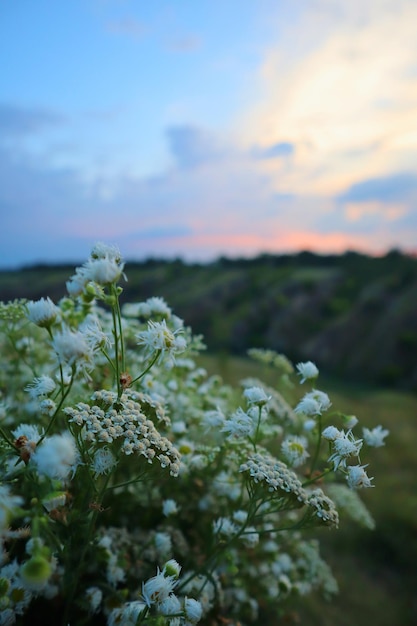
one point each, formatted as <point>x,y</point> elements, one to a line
<point>256,164</point>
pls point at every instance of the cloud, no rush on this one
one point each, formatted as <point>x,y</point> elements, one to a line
<point>277,150</point>
<point>345,95</point>
<point>191,146</point>
<point>386,189</point>
<point>17,121</point>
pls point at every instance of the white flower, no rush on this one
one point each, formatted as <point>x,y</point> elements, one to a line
<point>94,598</point>
<point>158,337</point>
<point>72,348</point>
<point>345,445</point>
<point>170,606</point>
<point>106,251</point>
<point>103,461</point>
<point>313,403</point>
<point>193,610</point>
<point>158,588</point>
<point>224,526</point>
<point>41,386</point>
<point>127,615</point>
<point>47,407</point>
<point>331,433</point>
<point>104,271</point>
<point>43,312</point>
<point>307,371</point>
<point>250,537</point>
<point>57,456</point>
<point>163,543</point>
<point>239,425</point>
<point>357,477</point>
<point>27,431</point>
<point>294,449</point>
<point>375,437</point>
<point>256,396</point>
<point>169,507</point>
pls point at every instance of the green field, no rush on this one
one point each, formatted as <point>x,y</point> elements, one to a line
<point>376,570</point>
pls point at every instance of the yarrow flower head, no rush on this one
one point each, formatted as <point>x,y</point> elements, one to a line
<point>307,371</point>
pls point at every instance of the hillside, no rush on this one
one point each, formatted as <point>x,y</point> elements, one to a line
<point>354,315</point>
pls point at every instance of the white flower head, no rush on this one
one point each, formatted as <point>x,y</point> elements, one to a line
<point>94,597</point>
<point>331,433</point>
<point>345,446</point>
<point>357,477</point>
<point>41,386</point>
<point>256,396</point>
<point>375,437</point>
<point>104,271</point>
<point>72,348</point>
<point>169,507</point>
<point>307,371</point>
<point>295,450</point>
<point>103,461</point>
<point>239,425</point>
<point>156,589</point>
<point>57,456</point>
<point>159,338</point>
<point>193,610</point>
<point>313,403</point>
<point>43,312</point>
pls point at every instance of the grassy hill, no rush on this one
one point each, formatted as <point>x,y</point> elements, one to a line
<point>354,315</point>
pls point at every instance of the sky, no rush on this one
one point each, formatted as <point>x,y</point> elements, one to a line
<point>196,129</point>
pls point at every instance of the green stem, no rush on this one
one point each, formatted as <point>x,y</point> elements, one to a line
<point>148,368</point>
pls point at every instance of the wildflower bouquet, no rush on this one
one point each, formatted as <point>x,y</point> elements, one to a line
<point>136,489</point>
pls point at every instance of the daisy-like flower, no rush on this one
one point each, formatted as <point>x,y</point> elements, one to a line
<point>357,477</point>
<point>43,312</point>
<point>307,371</point>
<point>375,437</point>
<point>41,386</point>
<point>294,449</point>
<point>159,338</point>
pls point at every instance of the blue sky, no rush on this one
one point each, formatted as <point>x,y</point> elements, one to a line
<point>196,129</point>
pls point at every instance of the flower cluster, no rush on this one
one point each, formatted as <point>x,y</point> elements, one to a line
<point>135,488</point>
